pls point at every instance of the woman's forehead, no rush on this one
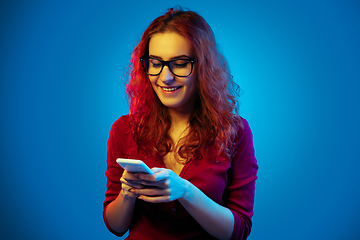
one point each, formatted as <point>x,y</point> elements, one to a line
<point>168,45</point>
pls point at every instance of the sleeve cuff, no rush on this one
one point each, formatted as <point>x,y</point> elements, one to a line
<point>241,229</point>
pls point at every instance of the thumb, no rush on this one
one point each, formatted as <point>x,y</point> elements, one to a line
<point>156,169</point>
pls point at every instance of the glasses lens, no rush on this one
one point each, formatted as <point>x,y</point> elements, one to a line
<point>152,66</point>
<point>181,67</point>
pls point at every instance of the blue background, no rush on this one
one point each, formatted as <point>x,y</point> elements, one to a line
<point>61,70</point>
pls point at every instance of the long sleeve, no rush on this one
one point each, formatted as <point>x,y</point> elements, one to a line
<point>114,171</point>
<point>240,193</point>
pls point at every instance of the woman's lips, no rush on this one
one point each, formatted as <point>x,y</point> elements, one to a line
<point>170,89</point>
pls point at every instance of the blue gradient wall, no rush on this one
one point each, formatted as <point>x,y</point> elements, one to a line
<point>297,63</point>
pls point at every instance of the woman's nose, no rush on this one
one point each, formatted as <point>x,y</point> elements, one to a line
<point>166,76</point>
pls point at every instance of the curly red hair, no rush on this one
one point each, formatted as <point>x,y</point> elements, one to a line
<point>214,122</point>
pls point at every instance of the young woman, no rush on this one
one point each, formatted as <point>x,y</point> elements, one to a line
<point>184,125</point>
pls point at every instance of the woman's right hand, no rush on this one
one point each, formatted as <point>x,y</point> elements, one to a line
<point>129,181</point>
<point>119,212</point>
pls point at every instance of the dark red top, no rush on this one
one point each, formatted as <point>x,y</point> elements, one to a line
<point>230,185</point>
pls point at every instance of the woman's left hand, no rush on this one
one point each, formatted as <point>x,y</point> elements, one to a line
<point>163,186</point>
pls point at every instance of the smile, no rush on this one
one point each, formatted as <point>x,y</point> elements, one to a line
<point>170,89</point>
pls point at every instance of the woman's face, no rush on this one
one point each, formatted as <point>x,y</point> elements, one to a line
<point>174,92</point>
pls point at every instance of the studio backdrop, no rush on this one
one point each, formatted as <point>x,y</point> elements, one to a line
<point>61,80</point>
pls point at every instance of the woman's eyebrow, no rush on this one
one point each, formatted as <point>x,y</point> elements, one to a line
<point>176,57</point>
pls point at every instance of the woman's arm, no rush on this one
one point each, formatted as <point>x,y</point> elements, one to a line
<point>119,213</point>
<point>217,220</point>
<point>119,203</point>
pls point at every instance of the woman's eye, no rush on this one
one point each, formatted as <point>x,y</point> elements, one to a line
<point>155,64</point>
<point>181,64</point>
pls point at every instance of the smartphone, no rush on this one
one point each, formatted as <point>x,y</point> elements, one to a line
<point>134,165</point>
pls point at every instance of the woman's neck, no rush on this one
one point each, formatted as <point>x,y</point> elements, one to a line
<point>179,119</point>
<point>179,126</point>
<point>180,116</point>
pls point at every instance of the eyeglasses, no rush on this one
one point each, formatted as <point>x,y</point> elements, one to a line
<point>178,67</point>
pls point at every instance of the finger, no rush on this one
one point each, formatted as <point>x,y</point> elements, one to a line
<point>128,193</point>
<point>162,174</point>
<point>133,184</point>
<point>157,199</point>
<point>156,169</point>
<point>151,191</point>
<point>159,184</point>
<point>130,176</point>
<point>137,186</point>
<point>146,176</point>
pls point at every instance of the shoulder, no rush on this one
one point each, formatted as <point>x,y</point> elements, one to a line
<point>119,137</point>
<point>122,120</point>
<point>245,128</point>
<point>242,129</point>
<point>121,125</point>
<point>244,138</point>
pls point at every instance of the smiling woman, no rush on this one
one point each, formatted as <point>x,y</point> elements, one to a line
<point>183,124</point>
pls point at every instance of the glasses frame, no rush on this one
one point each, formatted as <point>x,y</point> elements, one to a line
<point>167,63</point>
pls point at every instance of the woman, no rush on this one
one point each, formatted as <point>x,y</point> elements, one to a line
<point>183,124</point>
